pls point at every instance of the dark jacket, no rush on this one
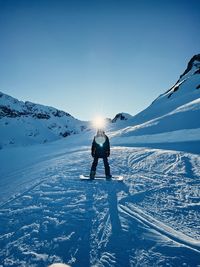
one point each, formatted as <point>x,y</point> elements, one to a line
<point>100,150</point>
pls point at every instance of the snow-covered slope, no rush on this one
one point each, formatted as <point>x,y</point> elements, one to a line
<point>174,114</point>
<point>28,123</point>
<point>186,89</point>
<point>48,215</point>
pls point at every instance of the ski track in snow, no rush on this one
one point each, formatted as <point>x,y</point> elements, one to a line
<point>151,219</point>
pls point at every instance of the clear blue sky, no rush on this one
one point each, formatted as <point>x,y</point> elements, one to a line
<point>98,56</point>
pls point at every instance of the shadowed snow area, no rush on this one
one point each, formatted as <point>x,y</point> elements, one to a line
<point>49,215</point>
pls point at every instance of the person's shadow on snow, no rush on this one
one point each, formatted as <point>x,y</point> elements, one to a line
<point>120,241</point>
<point>113,208</point>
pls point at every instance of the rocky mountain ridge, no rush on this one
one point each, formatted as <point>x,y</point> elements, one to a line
<point>174,113</point>
<point>24,123</point>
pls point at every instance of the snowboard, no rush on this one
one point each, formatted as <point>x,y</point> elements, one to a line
<point>102,177</point>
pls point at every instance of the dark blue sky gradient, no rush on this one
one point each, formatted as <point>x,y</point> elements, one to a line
<point>100,56</point>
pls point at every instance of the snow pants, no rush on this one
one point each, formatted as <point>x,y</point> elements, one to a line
<point>106,165</point>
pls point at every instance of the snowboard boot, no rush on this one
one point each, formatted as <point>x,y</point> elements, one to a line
<point>108,177</point>
<point>92,175</point>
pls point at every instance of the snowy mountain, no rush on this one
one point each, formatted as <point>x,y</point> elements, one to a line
<point>121,117</point>
<point>25,123</point>
<point>176,112</point>
<point>185,90</point>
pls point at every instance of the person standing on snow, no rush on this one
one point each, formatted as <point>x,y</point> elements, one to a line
<point>100,149</point>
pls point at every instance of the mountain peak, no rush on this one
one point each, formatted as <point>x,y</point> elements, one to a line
<point>121,117</point>
<point>194,62</point>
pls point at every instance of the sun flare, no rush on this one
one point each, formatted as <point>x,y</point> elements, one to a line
<point>99,122</point>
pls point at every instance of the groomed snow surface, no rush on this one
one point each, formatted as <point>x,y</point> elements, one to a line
<point>48,215</point>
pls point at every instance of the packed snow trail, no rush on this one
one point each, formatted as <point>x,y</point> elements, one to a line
<point>151,219</point>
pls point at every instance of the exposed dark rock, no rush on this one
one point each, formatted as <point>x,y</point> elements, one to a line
<point>41,116</point>
<point>190,64</point>
<point>176,87</point>
<point>197,72</point>
<point>29,105</point>
<point>52,126</point>
<point>83,127</point>
<point>65,134</point>
<point>58,113</point>
<point>164,93</point>
<point>7,112</point>
<point>119,116</point>
<point>170,95</point>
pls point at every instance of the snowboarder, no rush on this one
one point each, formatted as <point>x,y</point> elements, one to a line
<point>100,149</point>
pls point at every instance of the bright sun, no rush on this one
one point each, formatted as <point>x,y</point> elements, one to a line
<point>99,122</point>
